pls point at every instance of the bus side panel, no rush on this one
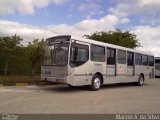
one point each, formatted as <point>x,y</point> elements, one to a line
<point>79,76</point>
<point>139,69</point>
<point>130,71</point>
<point>98,67</point>
<point>121,72</point>
<point>131,77</point>
<point>110,74</point>
<point>151,72</point>
<point>146,71</point>
<point>83,74</point>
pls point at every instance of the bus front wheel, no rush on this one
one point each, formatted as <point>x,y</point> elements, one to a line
<point>96,83</point>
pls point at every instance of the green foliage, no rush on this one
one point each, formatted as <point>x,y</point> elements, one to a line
<point>34,51</point>
<point>16,59</point>
<point>8,48</point>
<point>125,39</point>
<point>10,43</point>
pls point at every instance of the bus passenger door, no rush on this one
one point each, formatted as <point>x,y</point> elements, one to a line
<point>146,68</point>
<point>151,67</point>
<point>121,66</point>
<point>79,62</point>
<point>111,66</point>
<point>130,64</point>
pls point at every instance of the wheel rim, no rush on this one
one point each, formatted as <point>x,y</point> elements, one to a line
<point>97,83</point>
<point>141,80</point>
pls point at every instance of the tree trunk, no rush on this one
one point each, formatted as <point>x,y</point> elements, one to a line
<point>32,70</point>
<point>6,67</point>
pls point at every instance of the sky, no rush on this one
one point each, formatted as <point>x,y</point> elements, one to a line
<point>32,19</point>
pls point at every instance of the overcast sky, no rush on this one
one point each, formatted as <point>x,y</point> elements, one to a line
<point>44,18</point>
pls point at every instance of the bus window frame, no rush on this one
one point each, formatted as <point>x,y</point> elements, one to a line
<point>115,55</point>
<point>133,56</point>
<point>81,44</point>
<point>144,62</point>
<point>124,60</point>
<point>104,55</point>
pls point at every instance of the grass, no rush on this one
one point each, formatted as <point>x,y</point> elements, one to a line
<point>11,79</point>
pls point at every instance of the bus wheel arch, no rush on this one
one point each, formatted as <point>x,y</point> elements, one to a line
<point>141,79</point>
<point>98,73</point>
<point>97,81</point>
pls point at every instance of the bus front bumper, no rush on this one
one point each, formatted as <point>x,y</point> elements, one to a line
<point>54,79</point>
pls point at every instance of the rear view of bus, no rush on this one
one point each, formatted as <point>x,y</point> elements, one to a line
<point>157,66</point>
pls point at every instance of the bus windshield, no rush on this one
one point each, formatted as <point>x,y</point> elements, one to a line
<point>56,54</point>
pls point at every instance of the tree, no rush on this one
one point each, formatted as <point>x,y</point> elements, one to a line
<point>117,37</point>
<point>34,50</point>
<point>8,46</point>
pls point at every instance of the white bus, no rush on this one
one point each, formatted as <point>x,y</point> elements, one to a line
<point>157,66</point>
<point>78,61</point>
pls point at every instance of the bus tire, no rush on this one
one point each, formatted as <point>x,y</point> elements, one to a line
<point>71,86</point>
<point>140,80</point>
<point>96,83</point>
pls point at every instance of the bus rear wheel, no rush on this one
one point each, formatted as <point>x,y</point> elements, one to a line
<point>140,80</point>
<point>96,83</point>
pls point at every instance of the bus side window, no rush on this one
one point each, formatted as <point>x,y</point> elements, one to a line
<point>111,56</point>
<point>138,59</point>
<point>97,53</point>
<point>145,60</point>
<point>121,57</point>
<point>151,61</point>
<point>79,54</point>
<point>130,58</point>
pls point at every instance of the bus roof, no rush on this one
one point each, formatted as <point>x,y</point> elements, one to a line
<point>103,44</point>
<point>157,57</point>
<point>108,45</point>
